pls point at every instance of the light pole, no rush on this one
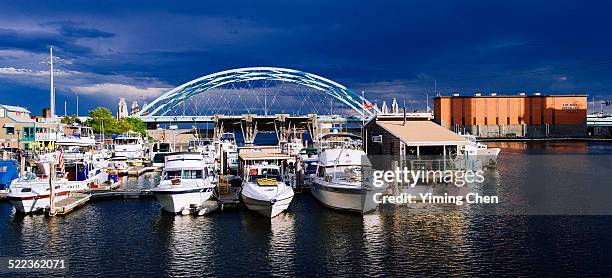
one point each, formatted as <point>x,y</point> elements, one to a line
<point>18,140</point>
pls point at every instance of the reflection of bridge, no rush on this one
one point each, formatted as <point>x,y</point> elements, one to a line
<point>257,99</point>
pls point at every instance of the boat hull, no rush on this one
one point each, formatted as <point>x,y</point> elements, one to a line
<point>359,200</point>
<point>34,203</point>
<point>266,207</point>
<point>488,156</point>
<point>177,200</point>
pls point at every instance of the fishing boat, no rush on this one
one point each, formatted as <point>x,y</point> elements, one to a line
<point>264,191</point>
<point>342,180</point>
<point>187,182</point>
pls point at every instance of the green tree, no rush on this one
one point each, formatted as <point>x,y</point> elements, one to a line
<point>137,125</point>
<point>71,120</point>
<point>102,115</point>
<point>123,125</point>
<point>99,117</point>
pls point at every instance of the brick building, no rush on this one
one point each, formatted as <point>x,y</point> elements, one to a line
<point>530,116</point>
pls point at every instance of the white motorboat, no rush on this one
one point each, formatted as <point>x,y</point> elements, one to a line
<point>342,180</point>
<point>206,148</point>
<point>264,191</point>
<point>31,192</point>
<point>487,156</point>
<point>187,182</point>
<point>129,145</point>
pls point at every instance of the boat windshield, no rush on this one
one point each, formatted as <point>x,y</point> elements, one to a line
<point>126,141</point>
<point>351,173</point>
<point>161,147</point>
<point>260,179</point>
<point>184,174</point>
<point>28,176</point>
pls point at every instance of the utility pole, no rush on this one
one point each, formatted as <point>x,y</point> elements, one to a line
<point>77,105</point>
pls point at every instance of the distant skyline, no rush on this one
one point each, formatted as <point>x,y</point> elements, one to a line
<point>141,49</point>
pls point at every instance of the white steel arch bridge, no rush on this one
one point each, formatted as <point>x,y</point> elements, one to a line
<point>257,91</point>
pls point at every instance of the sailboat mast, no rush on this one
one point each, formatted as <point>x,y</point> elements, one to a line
<point>52,91</point>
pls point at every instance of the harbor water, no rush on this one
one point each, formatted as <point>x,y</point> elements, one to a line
<point>115,237</point>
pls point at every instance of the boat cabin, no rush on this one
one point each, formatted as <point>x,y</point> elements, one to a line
<point>255,158</point>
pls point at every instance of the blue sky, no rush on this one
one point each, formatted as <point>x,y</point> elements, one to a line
<point>140,49</point>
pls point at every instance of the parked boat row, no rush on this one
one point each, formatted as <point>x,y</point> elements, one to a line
<point>336,170</point>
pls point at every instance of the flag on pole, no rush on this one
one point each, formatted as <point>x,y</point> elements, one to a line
<point>367,105</point>
<point>60,162</point>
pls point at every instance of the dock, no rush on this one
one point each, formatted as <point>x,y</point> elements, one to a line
<point>72,202</point>
<point>227,195</point>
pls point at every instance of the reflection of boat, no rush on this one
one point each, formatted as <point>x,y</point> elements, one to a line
<point>264,191</point>
<point>187,182</point>
<point>342,178</point>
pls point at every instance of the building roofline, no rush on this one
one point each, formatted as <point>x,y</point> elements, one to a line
<point>511,96</point>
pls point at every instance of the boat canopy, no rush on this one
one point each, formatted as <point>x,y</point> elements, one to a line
<point>8,172</point>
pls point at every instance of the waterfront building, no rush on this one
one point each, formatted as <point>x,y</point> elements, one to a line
<point>23,131</point>
<point>18,129</point>
<point>600,125</point>
<point>416,136</point>
<point>122,109</point>
<point>526,116</point>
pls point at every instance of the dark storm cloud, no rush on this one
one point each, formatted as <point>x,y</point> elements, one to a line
<point>38,41</point>
<point>385,48</point>
<point>76,30</point>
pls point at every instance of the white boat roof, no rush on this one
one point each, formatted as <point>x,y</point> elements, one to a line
<point>331,157</point>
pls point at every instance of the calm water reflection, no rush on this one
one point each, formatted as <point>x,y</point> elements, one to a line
<point>111,238</point>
